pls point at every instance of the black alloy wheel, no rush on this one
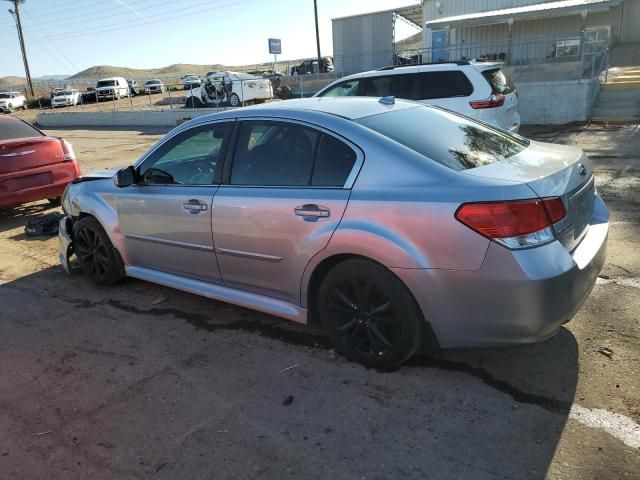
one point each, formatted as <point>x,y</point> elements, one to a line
<point>96,255</point>
<point>369,314</point>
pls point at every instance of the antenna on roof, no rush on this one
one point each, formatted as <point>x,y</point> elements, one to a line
<point>390,100</point>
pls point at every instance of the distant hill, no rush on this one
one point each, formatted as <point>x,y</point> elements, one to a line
<point>8,81</point>
<point>179,69</point>
<point>414,42</point>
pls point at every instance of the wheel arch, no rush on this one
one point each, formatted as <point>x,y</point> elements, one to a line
<point>321,268</point>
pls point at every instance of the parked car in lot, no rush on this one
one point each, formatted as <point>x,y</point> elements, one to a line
<point>480,90</point>
<point>229,88</point>
<point>311,66</point>
<point>396,224</point>
<point>9,101</point>
<point>191,81</point>
<point>134,89</point>
<point>154,86</point>
<point>112,88</point>
<point>88,96</point>
<point>65,98</point>
<point>33,166</point>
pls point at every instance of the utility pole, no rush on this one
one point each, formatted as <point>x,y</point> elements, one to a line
<point>16,13</point>
<point>315,9</point>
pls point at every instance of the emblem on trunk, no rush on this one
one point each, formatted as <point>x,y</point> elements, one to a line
<point>582,169</point>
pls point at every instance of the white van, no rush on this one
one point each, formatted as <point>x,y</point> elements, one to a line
<point>112,88</point>
<point>478,89</point>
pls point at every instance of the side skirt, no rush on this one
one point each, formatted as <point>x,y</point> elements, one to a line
<point>241,298</point>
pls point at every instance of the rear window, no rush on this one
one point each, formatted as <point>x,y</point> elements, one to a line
<point>500,82</point>
<point>10,129</point>
<point>452,140</point>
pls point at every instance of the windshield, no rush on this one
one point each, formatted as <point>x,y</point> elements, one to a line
<point>63,93</point>
<point>452,140</point>
<point>191,78</point>
<point>5,95</point>
<point>152,82</point>
<point>106,83</point>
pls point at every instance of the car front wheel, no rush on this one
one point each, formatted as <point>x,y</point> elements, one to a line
<point>369,314</point>
<point>96,255</point>
<point>234,100</point>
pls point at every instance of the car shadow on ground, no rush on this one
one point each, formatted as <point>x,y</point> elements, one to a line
<point>19,216</point>
<point>480,413</point>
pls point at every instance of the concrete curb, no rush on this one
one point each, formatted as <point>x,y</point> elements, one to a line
<point>125,118</point>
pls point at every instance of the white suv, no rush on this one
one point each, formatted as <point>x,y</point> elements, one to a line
<point>12,100</point>
<point>478,89</point>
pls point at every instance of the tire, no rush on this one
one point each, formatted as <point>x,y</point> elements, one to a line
<point>25,106</point>
<point>194,102</point>
<point>10,108</point>
<point>259,101</point>
<point>234,100</point>
<point>57,201</point>
<point>96,255</point>
<point>369,314</point>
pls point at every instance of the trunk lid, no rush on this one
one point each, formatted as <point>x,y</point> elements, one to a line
<point>552,170</point>
<point>21,154</point>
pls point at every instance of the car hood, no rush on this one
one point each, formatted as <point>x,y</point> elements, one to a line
<point>97,175</point>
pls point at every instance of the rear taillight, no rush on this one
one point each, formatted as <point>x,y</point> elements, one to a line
<point>67,151</point>
<point>514,224</point>
<point>495,100</point>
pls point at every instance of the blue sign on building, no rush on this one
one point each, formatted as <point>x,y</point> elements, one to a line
<point>275,46</point>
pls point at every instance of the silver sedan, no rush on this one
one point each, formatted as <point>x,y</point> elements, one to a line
<point>396,224</point>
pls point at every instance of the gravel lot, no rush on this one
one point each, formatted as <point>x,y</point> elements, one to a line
<point>140,381</point>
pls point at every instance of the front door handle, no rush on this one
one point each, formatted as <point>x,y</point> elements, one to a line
<point>312,210</point>
<point>195,206</point>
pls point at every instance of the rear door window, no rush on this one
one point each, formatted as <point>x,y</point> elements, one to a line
<point>272,153</point>
<point>12,129</point>
<point>444,84</point>
<point>282,154</point>
<point>500,82</point>
<point>333,164</point>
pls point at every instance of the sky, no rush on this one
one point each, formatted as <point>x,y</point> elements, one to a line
<point>67,36</point>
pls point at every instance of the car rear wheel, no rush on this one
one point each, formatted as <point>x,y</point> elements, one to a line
<point>234,100</point>
<point>24,106</point>
<point>96,255</point>
<point>369,314</point>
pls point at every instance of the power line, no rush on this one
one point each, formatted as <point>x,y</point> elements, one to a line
<point>96,14</point>
<point>119,26</point>
<point>69,62</point>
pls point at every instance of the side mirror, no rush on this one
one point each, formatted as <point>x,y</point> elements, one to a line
<point>125,177</point>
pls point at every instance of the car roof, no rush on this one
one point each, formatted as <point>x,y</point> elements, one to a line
<point>436,67</point>
<point>351,108</point>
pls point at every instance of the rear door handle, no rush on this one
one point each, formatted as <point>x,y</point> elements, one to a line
<point>312,210</point>
<point>195,206</point>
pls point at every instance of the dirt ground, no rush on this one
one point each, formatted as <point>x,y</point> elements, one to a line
<point>140,381</point>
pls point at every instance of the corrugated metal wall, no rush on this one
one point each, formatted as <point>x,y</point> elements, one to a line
<point>460,7</point>
<point>362,43</point>
<point>630,31</point>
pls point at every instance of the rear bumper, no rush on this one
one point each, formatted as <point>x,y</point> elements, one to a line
<point>519,296</point>
<point>58,175</point>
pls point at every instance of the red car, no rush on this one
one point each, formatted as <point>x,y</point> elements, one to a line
<point>33,166</point>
